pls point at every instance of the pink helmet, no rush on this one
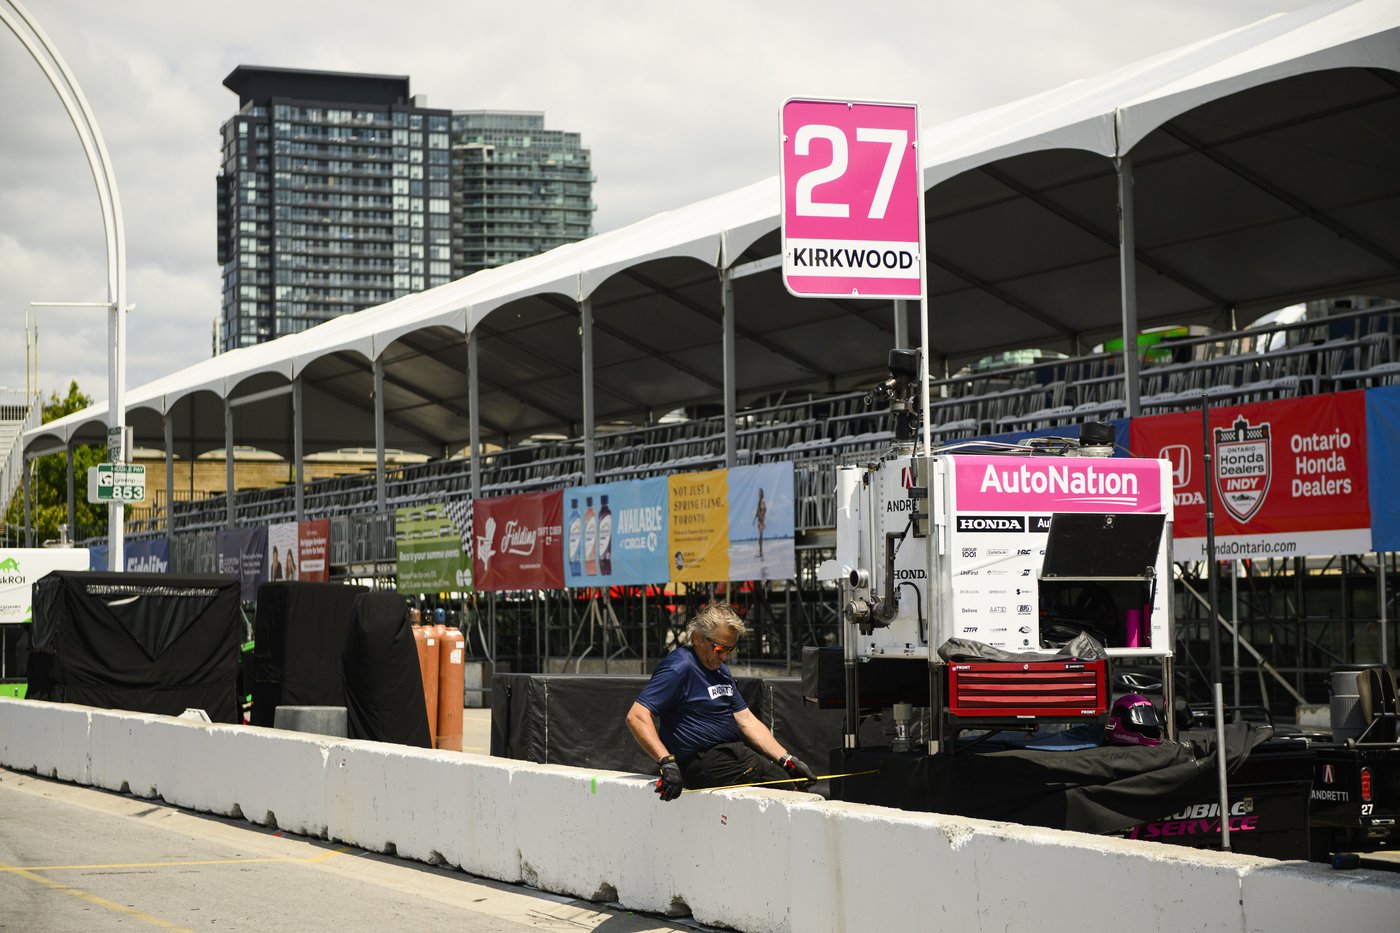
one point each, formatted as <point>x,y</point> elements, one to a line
<point>1132,720</point>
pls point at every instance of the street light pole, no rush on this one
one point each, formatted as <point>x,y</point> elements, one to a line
<point>37,43</point>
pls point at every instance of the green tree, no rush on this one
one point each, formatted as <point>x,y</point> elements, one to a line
<point>48,482</point>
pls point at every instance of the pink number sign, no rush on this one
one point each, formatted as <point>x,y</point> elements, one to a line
<point>852,200</point>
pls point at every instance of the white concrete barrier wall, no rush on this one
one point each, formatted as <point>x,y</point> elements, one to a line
<point>758,860</point>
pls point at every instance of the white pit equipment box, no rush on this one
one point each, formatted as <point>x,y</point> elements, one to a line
<point>991,518</point>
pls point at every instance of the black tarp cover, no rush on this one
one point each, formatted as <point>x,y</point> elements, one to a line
<point>580,719</point>
<point>1096,790</point>
<point>148,642</point>
<point>383,687</point>
<point>301,631</point>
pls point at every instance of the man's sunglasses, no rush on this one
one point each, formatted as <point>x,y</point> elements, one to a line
<point>723,649</point>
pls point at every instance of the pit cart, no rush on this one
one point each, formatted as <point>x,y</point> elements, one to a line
<point>1355,799</point>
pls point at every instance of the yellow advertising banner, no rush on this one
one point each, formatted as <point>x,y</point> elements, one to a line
<point>700,526</point>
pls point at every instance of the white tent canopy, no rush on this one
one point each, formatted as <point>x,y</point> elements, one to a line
<point>1266,166</point>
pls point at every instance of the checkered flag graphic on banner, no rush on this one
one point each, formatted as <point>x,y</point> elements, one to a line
<point>459,512</point>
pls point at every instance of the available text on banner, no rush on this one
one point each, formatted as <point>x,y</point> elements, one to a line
<point>615,534</point>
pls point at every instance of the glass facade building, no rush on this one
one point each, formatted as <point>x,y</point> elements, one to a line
<point>342,191</point>
<point>521,189</point>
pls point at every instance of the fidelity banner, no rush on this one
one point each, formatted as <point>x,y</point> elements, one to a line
<point>615,534</point>
<point>520,542</point>
<point>1289,478</point>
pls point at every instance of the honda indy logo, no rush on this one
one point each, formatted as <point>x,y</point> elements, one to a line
<point>1243,467</point>
<point>991,523</point>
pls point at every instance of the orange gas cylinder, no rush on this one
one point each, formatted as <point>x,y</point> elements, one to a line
<point>431,646</point>
<point>451,674</point>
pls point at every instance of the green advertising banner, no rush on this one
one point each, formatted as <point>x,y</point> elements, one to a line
<point>433,548</point>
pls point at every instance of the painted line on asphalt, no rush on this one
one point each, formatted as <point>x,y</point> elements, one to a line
<point>89,897</point>
<point>13,869</point>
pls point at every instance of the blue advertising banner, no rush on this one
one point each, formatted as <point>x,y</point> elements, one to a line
<point>242,553</point>
<point>615,534</point>
<point>762,522</point>
<point>1382,453</point>
<point>1120,435</point>
<point>151,555</point>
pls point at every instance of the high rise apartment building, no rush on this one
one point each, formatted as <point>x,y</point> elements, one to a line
<point>343,191</point>
<point>522,189</point>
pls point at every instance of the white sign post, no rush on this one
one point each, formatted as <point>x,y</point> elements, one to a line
<point>853,205</point>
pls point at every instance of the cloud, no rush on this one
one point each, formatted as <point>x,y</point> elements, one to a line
<point>676,102</point>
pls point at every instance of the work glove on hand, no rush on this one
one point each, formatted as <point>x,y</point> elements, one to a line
<point>670,785</point>
<point>796,769</point>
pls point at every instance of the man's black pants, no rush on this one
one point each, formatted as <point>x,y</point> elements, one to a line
<point>730,763</point>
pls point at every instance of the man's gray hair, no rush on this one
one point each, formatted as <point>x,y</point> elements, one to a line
<point>712,617</point>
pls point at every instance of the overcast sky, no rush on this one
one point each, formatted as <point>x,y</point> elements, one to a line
<point>677,102</point>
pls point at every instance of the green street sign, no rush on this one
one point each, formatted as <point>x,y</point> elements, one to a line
<point>117,482</point>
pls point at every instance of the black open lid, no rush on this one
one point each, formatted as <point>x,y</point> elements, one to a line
<point>1102,544</point>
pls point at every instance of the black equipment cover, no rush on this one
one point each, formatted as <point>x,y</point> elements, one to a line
<point>383,686</point>
<point>301,631</point>
<point>1096,790</point>
<point>148,642</point>
<point>580,719</point>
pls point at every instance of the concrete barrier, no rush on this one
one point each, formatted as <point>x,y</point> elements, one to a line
<point>757,859</point>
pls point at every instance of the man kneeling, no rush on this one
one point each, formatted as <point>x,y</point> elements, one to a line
<point>708,737</point>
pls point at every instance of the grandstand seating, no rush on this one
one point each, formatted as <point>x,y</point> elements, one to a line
<point>1336,353</point>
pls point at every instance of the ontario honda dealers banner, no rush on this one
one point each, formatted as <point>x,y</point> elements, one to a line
<point>1289,477</point>
<point>519,542</point>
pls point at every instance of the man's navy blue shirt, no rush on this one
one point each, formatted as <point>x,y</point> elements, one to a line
<point>696,706</point>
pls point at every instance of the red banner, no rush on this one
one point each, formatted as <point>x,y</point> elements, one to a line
<point>1289,477</point>
<point>313,546</point>
<point>519,542</point>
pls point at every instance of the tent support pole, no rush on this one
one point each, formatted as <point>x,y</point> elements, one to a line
<point>68,451</point>
<point>901,323</point>
<point>585,314</point>
<point>381,498</point>
<point>298,450</point>
<point>474,413</point>
<point>726,298</point>
<point>28,523</point>
<point>169,426</point>
<point>1380,585</point>
<point>231,507</point>
<point>1127,273</point>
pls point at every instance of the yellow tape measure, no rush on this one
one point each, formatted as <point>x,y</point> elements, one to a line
<point>820,777</point>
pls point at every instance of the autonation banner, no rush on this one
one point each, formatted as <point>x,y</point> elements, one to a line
<point>1288,478</point>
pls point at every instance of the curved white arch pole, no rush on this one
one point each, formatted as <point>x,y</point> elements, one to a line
<point>37,43</point>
